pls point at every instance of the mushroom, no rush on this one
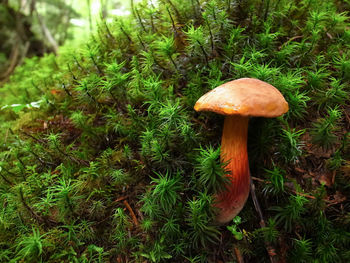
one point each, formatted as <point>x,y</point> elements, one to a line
<point>238,100</point>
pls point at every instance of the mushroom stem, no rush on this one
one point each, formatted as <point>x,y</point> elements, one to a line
<point>234,152</point>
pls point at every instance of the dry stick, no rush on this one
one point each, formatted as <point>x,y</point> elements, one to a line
<point>66,90</point>
<point>41,160</point>
<point>30,210</point>
<point>78,161</point>
<point>270,249</point>
<point>175,9</point>
<point>120,199</point>
<point>78,63</point>
<point>172,20</point>
<point>40,219</point>
<point>204,53</point>
<point>211,35</point>
<point>140,20</point>
<point>46,32</point>
<point>6,180</point>
<point>34,138</point>
<point>295,192</point>
<point>131,212</point>
<point>126,34</point>
<point>238,255</point>
<point>109,31</point>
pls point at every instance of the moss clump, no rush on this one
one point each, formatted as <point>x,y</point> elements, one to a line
<point>116,165</point>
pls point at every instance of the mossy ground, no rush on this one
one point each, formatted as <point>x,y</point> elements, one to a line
<point>116,166</point>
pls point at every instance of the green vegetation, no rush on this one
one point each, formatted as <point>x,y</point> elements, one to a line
<point>103,159</point>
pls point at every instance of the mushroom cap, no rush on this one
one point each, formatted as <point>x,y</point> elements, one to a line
<point>245,97</point>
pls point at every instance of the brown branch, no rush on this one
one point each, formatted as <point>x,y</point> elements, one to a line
<point>296,192</point>
<point>46,32</point>
<point>120,199</point>
<point>30,210</point>
<point>134,219</point>
<point>37,217</point>
<point>6,180</point>
<point>270,249</point>
<point>34,138</point>
<point>238,254</point>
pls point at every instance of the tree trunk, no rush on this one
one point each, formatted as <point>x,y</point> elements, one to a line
<point>46,32</point>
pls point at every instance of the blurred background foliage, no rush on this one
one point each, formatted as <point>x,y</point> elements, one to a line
<point>35,27</point>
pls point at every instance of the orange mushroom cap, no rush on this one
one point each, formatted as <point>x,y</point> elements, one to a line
<point>245,97</point>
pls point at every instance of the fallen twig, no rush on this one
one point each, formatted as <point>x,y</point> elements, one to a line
<point>238,254</point>
<point>6,180</point>
<point>329,202</point>
<point>120,199</point>
<point>270,249</point>
<point>37,217</point>
<point>134,219</point>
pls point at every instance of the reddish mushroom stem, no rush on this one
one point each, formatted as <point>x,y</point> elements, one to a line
<point>234,151</point>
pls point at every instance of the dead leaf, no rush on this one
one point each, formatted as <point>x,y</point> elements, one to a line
<point>326,178</point>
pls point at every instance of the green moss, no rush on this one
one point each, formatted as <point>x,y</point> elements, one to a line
<point>116,165</point>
